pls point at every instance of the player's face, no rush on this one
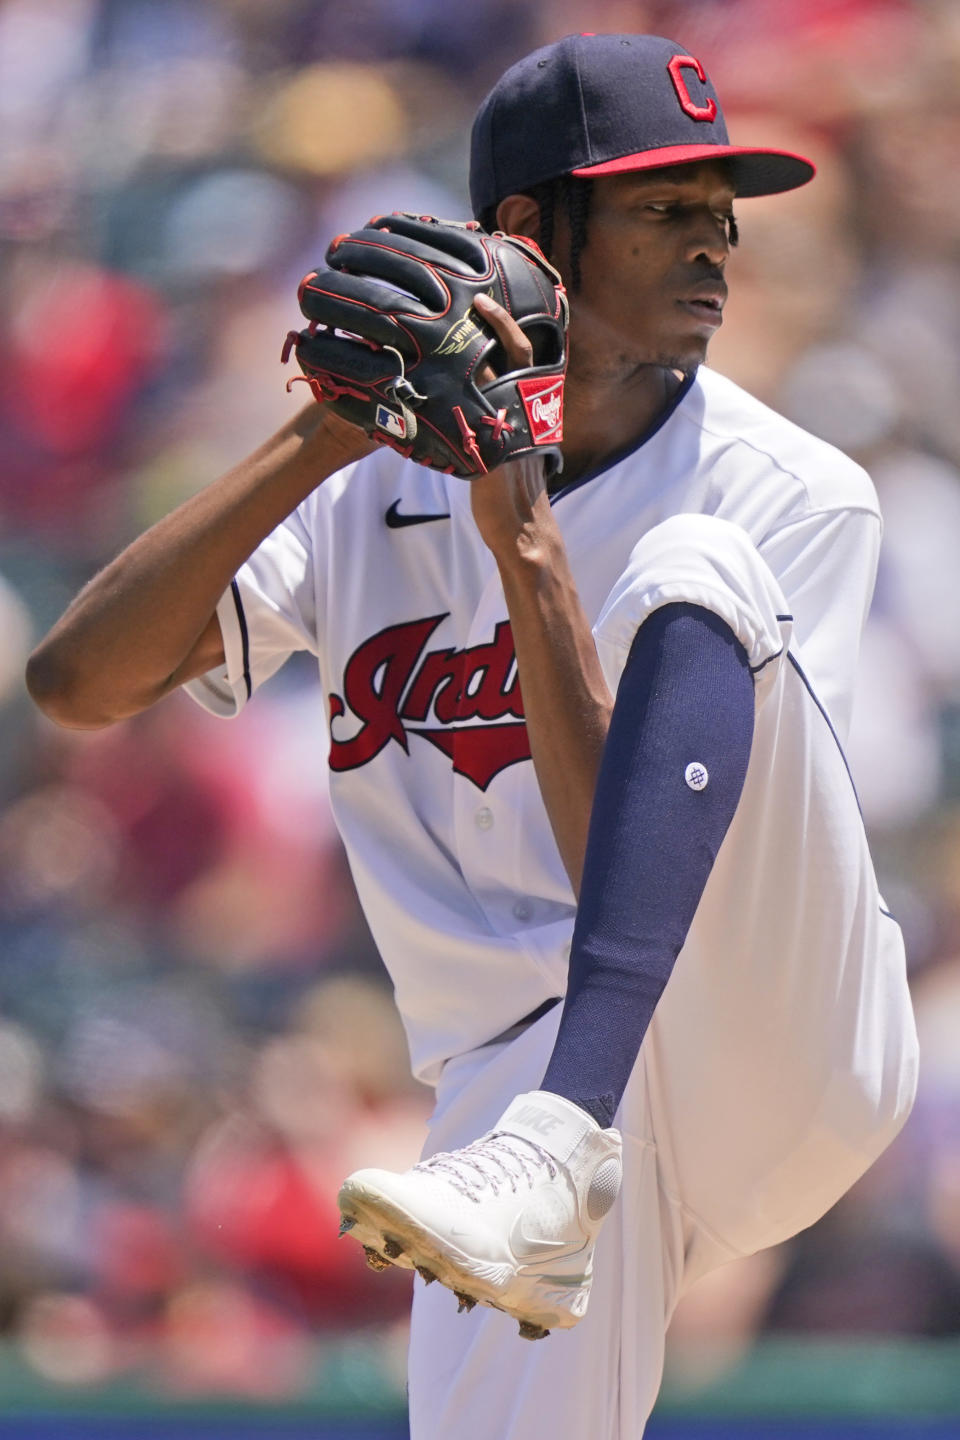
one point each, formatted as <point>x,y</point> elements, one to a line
<point>652,287</point>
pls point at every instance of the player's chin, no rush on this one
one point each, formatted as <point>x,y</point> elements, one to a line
<point>685,353</point>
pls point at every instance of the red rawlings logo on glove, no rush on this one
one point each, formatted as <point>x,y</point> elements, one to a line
<point>543,403</point>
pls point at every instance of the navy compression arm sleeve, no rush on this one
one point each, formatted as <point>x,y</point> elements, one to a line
<point>670,780</point>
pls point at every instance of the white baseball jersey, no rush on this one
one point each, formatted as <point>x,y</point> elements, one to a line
<point>782,1057</point>
<point>431,782</point>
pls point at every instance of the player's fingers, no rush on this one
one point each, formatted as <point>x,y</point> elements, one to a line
<point>517,347</point>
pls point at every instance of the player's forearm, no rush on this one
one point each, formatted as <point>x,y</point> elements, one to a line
<point>566,699</point>
<point>146,623</point>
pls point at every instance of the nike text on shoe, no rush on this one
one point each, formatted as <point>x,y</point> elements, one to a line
<point>509,1221</point>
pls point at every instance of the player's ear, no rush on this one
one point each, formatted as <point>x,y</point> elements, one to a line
<point>519,215</point>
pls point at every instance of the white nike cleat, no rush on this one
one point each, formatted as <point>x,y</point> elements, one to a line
<point>509,1221</point>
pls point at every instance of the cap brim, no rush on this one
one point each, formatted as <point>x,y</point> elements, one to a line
<point>753,172</point>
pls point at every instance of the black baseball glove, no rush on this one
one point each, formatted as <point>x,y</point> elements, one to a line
<point>395,346</point>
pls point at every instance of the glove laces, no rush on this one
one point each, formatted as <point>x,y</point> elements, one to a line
<point>497,1160</point>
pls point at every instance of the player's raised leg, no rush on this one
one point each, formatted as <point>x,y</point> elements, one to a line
<point>782,1059</point>
<point>511,1220</point>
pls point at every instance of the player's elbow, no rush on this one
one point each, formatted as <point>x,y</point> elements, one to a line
<point>57,686</point>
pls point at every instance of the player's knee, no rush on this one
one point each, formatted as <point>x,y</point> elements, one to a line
<point>896,1070</point>
<point>869,1104</point>
<point>900,1081</point>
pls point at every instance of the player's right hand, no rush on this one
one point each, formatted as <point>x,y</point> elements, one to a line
<point>504,501</point>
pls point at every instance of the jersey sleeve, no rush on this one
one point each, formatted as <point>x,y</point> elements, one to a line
<point>268,612</point>
<point>701,560</point>
<point>826,564</point>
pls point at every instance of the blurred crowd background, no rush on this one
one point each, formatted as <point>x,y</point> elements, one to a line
<point>197,1039</point>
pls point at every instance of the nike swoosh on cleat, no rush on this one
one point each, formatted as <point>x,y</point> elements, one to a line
<point>529,1252</point>
<point>396,521</point>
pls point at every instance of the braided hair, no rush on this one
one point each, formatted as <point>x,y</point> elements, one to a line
<point>572,193</point>
<point>566,192</point>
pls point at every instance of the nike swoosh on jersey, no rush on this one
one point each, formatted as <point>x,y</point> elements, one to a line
<point>396,521</point>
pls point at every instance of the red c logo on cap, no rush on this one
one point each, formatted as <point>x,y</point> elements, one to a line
<point>696,112</point>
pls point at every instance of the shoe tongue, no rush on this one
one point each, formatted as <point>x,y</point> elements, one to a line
<point>547,1121</point>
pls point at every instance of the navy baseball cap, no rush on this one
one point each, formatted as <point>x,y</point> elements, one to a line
<point>606,104</point>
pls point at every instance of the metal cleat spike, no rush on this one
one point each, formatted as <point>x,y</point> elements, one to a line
<point>347,1223</point>
<point>375,1261</point>
<point>529,1331</point>
<point>427,1276</point>
<point>392,1248</point>
<point>467,1302</point>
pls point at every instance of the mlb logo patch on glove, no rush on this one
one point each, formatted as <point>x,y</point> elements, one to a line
<point>391,422</point>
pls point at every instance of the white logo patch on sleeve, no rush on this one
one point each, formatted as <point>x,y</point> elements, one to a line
<point>696,775</point>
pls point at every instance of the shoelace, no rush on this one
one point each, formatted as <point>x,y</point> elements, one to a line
<point>490,1161</point>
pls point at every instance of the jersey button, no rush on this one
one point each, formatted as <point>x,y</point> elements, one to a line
<point>483,818</point>
<point>523,910</point>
